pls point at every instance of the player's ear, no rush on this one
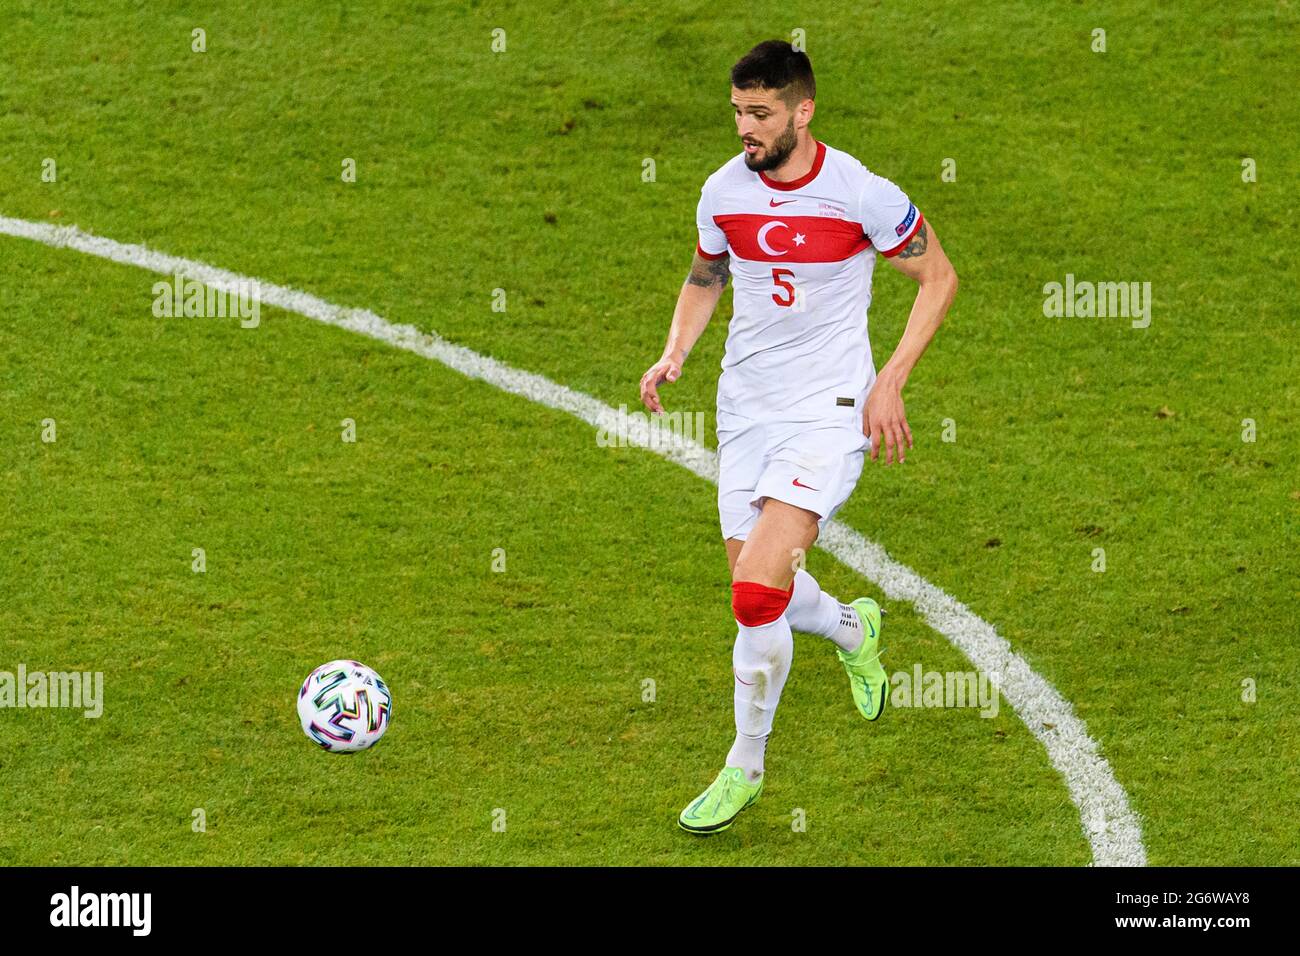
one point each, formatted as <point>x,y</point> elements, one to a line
<point>804,112</point>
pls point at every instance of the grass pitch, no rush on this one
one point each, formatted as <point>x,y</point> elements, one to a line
<point>522,691</point>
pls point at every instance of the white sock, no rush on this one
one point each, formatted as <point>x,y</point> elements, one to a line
<point>813,611</point>
<point>747,753</point>
<point>761,659</point>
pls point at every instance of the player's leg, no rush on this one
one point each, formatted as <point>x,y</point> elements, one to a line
<point>854,628</point>
<point>762,572</point>
<point>733,551</point>
<point>813,611</point>
<point>769,555</point>
<point>817,469</point>
<point>764,646</point>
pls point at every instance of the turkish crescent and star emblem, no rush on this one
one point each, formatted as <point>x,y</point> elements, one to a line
<point>764,244</point>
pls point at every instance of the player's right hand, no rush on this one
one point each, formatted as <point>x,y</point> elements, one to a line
<point>665,370</point>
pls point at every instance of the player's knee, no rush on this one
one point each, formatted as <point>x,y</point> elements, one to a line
<point>757,604</point>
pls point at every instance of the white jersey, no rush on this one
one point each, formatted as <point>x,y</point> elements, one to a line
<point>802,254</point>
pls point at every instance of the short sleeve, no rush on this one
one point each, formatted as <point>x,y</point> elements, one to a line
<point>889,219</point>
<point>712,243</point>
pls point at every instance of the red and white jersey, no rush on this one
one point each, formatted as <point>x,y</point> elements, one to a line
<point>802,255</point>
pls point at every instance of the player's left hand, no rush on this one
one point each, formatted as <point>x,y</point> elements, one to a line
<point>885,418</point>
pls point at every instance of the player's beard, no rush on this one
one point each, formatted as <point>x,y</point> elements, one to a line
<point>777,153</point>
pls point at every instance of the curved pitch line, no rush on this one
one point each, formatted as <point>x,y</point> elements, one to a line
<point>1111,827</point>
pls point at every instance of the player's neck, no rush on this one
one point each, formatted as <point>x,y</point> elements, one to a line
<point>799,164</point>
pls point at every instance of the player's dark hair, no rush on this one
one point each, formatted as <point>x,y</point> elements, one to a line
<point>776,65</point>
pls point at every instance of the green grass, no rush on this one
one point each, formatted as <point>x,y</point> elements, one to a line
<point>522,690</point>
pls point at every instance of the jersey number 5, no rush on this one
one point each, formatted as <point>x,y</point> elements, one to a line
<point>780,282</point>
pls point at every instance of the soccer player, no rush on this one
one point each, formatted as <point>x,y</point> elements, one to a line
<point>798,224</point>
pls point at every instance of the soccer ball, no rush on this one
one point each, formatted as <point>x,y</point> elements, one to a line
<point>344,706</point>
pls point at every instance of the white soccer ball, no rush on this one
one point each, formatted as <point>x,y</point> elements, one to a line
<point>344,706</point>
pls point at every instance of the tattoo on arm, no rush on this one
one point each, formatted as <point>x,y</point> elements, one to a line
<point>917,246</point>
<point>707,273</point>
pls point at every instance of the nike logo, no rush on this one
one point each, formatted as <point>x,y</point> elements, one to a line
<point>773,203</point>
<point>745,682</point>
<point>799,484</point>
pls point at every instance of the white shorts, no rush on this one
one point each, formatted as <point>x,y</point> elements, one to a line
<point>811,465</point>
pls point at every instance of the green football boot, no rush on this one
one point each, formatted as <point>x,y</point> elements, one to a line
<point>717,807</point>
<point>867,677</point>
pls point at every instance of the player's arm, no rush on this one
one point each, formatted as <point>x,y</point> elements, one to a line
<point>695,304</point>
<point>922,258</point>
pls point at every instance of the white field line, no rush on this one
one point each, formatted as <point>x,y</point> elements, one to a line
<point>1112,828</point>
